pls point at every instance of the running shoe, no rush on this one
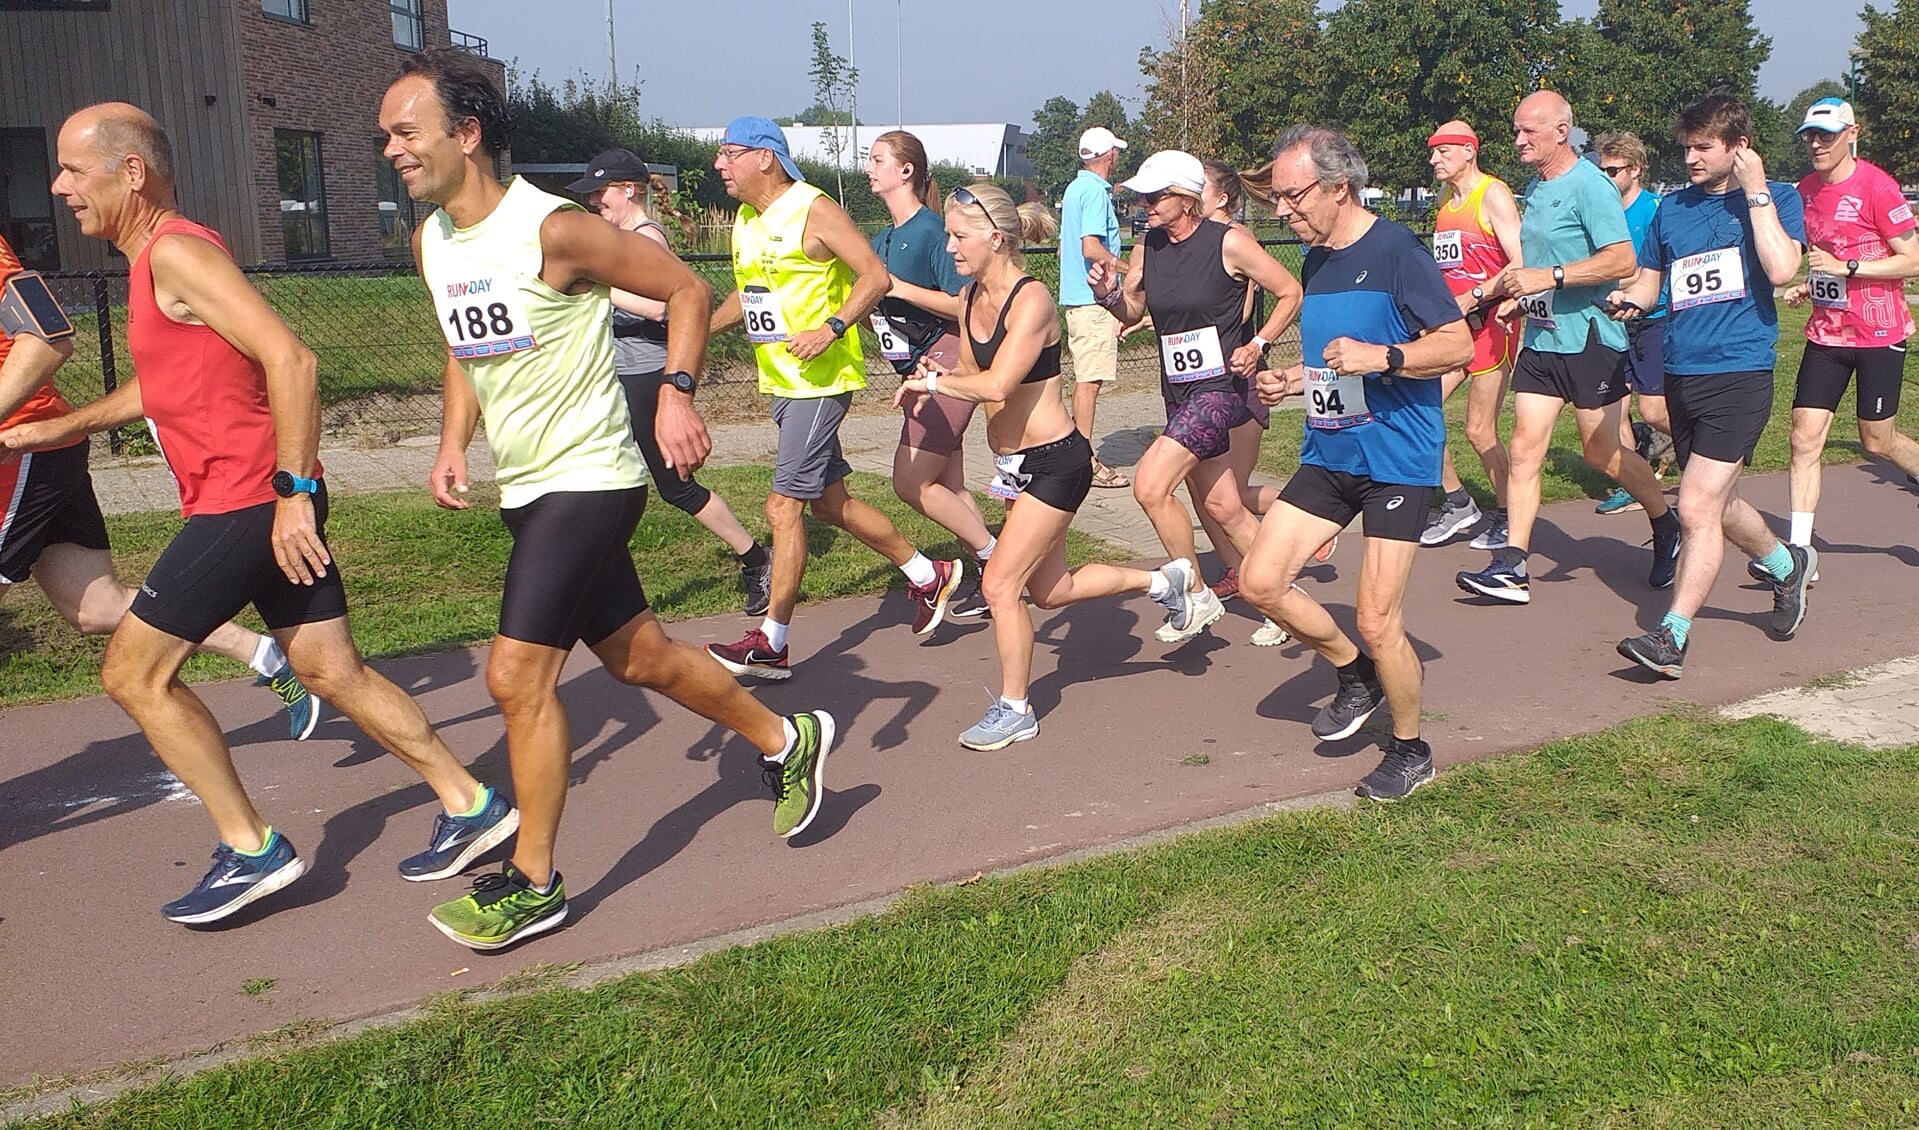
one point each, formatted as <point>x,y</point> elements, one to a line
<point>303,706</point>
<point>930,600</point>
<point>1270,634</point>
<point>1789,595</point>
<point>1352,704</point>
<point>1187,612</point>
<point>1450,520</point>
<point>502,908</point>
<point>459,840</point>
<point>1665,555</point>
<point>1499,581</point>
<point>798,782</point>
<point>759,587</point>
<point>1407,765</point>
<point>236,879</point>
<point>1657,652</point>
<point>1001,727</point>
<point>1758,573</point>
<point>1620,501</point>
<point>1227,587</point>
<point>969,603</point>
<point>1494,535</point>
<point>753,655</point>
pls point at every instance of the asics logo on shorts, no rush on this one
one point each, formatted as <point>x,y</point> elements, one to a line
<point>1393,503</point>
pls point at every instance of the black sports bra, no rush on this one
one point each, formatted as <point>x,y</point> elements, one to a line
<point>1045,368</point>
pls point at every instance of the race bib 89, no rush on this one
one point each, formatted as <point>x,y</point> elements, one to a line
<point>483,317</point>
<point>1191,355</point>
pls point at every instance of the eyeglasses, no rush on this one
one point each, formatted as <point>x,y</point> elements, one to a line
<point>964,196</point>
<point>1613,170</point>
<point>1293,197</point>
<point>734,154</point>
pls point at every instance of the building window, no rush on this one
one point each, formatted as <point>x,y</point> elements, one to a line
<point>396,213</point>
<point>295,10</point>
<point>302,194</point>
<point>409,24</point>
<point>26,205</point>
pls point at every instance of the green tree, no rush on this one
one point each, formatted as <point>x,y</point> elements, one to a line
<point>833,81</point>
<point>1053,144</point>
<point>1888,99</point>
<point>1214,94</point>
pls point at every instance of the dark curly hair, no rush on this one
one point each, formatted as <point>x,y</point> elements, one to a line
<point>466,90</point>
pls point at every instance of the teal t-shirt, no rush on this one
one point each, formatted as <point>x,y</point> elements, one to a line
<point>1566,219</point>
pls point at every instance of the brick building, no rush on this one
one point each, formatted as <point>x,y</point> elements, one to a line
<point>271,106</point>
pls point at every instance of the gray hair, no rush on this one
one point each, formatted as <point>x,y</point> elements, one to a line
<point>1335,159</point>
<point>121,131</point>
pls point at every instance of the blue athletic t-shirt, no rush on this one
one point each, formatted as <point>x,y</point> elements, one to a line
<point>1639,216</point>
<point>1567,219</point>
<point>1384,289</point>
<point>1716,322</point>
<point>915,252</point>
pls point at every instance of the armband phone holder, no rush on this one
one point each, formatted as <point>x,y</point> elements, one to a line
<point>28,308</point>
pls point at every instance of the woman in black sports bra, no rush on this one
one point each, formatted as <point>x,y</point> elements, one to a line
<point>1009,348</point>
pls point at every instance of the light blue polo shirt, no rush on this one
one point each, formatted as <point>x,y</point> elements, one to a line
<point>1087,209</point>
<point>1566,219</point>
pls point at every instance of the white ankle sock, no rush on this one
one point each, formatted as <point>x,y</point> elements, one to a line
<point>919,570</point>
<point>986,554</point>
<point>775,633</point>
<point>792,736</point>
<point>1801,528</point>
<point>1161,586</point>
<point>1021,705</point>
<point>268,659</point>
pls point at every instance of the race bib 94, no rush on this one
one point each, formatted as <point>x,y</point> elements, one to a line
<point>483,317</point>
<point>1333,401</point>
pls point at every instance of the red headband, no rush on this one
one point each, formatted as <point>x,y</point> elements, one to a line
<point>1439,139</point>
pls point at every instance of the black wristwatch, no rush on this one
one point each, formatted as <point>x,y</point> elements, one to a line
<point>838,327</point>
<point>682,381</point>
<point>286,484</point>
<point>1559,278</point>
<point>1395,359</point>
<point>1852,267</point>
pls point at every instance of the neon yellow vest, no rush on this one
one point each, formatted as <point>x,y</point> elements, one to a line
<point>540,361</point>
<point>769,251</point>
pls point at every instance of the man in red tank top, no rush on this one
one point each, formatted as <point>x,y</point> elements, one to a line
<point>233,398</point>
<point>51,526</point>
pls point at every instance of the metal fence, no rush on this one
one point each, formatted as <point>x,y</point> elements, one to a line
<point>381,354</point>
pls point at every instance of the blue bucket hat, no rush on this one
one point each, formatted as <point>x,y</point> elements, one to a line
<point>762,133</point>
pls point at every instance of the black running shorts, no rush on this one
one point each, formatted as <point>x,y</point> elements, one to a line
<point>570,576</point>
<point>1825,370</point>
<point>1718,415</point>
<point>46,498</point>
<point>1591,378</point>
<point>1394,512</point>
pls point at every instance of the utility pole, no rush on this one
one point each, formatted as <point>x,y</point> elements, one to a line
<point>899,59</point>
<point>612,69</point>
<point>854,67</point>
<point>1185,92</point>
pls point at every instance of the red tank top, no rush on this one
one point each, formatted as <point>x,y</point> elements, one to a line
<point>45,403</point>
<point>205,400</point>
<point>1478,256</point>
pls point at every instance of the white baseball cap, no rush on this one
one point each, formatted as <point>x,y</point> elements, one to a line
<point>1169,169</point>
<point>1097,141</point>
<point>1830,115</point>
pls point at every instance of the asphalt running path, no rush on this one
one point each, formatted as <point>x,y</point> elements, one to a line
<point>668,829</point>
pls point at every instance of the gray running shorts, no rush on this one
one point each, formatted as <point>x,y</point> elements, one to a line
<point>809,458</point>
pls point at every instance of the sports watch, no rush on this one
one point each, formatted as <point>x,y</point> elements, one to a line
<point>1852,267</point>
<point>838,327</point>
<point>683,381</point>
<point>1759,200</point>
<point>1395,359</point>
<point>1559,278</point>
<point>286,484</point>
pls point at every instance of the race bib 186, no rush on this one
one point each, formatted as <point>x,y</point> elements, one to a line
<point>1828,292</point>
<point>483,317</point>
<point>764,323</point>
<point>1448,251</point>
<point>1333,401</point>
<point>1191,355</point>
<point>1008,478</point>
<point>893,345</point>
<point>1708,277</point>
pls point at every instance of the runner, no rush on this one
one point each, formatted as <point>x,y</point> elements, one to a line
<point>1863,247</point>
<point>1088,234</point>
<point>537,360</point>
<point>1574,233</point>
<point>805,278</point>
<point>1622,157</point>
<point>1719,246</point>
<point>915,320</point>
<point>233,399</point>
<point>1377,326</point>
<point>614,186</point>
<point>1475,236</point>
<point>51,526</point>
<point>1010,362</point>
<point>1191,275</point>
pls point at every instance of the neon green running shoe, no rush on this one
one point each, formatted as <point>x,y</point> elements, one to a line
<point>796,782</point>
<point>501,909</point>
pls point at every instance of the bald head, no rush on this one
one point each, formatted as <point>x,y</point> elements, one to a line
<point>1542,132</point>
<point>115,131</point>
<point>1548,107</point>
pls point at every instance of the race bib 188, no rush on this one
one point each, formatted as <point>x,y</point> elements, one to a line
<point>483,317</point>
<point>1191,355</point>
<point>764,323</point>
<point>1706,278</point>
<point>1333,401</point>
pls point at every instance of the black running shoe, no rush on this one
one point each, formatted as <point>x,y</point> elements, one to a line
<point>1351,706</point>
<point>1665,555</point>
<point>969,603</point>
<point>1406,766</point>
<point>758,584</point>
<point>1657,652</point>
<point>1789,595</point>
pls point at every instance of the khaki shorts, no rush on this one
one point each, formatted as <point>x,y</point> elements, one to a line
<point>1092,334</point>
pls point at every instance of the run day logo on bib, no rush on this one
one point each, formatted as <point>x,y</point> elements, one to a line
<point>765,324</point>
<point>893,345</point>
<point>1333,401</point>
<point>1538,308</point>
<point>1828,292</point>
<point>1448,251</point>
<point>1008,479</point>
<point>1706,278</point>
<point>1191,355</point>
<point>483,317</point>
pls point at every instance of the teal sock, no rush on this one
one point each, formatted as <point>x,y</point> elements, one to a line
<point>1679,626</point>
<point>480,800</point>
<point>1779,561</point>
<point>266,845</point>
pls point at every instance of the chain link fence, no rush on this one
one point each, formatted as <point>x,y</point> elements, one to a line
<point>381,353</point>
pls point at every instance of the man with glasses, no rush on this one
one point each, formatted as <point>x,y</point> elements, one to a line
<point>1622,157</point>
<point>1377,326</point>
<point>1577,246</point>
<point>1862,247</point>
<point>1088,234</point>
<point>805,278</point>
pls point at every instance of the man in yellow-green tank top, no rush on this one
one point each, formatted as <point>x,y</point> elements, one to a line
<point>519,281</point>
<point>805,278</point>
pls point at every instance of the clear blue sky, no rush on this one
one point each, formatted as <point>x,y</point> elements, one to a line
<point>700,65</point>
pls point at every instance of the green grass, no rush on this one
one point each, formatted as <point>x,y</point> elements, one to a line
<point>1678,922</point>
<point>424,579</point>
<point>1566,475</point>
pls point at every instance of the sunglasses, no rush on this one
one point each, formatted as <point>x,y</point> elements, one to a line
<point>964,196</point>
<point>1613,170</point>
<point>732,153</point>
